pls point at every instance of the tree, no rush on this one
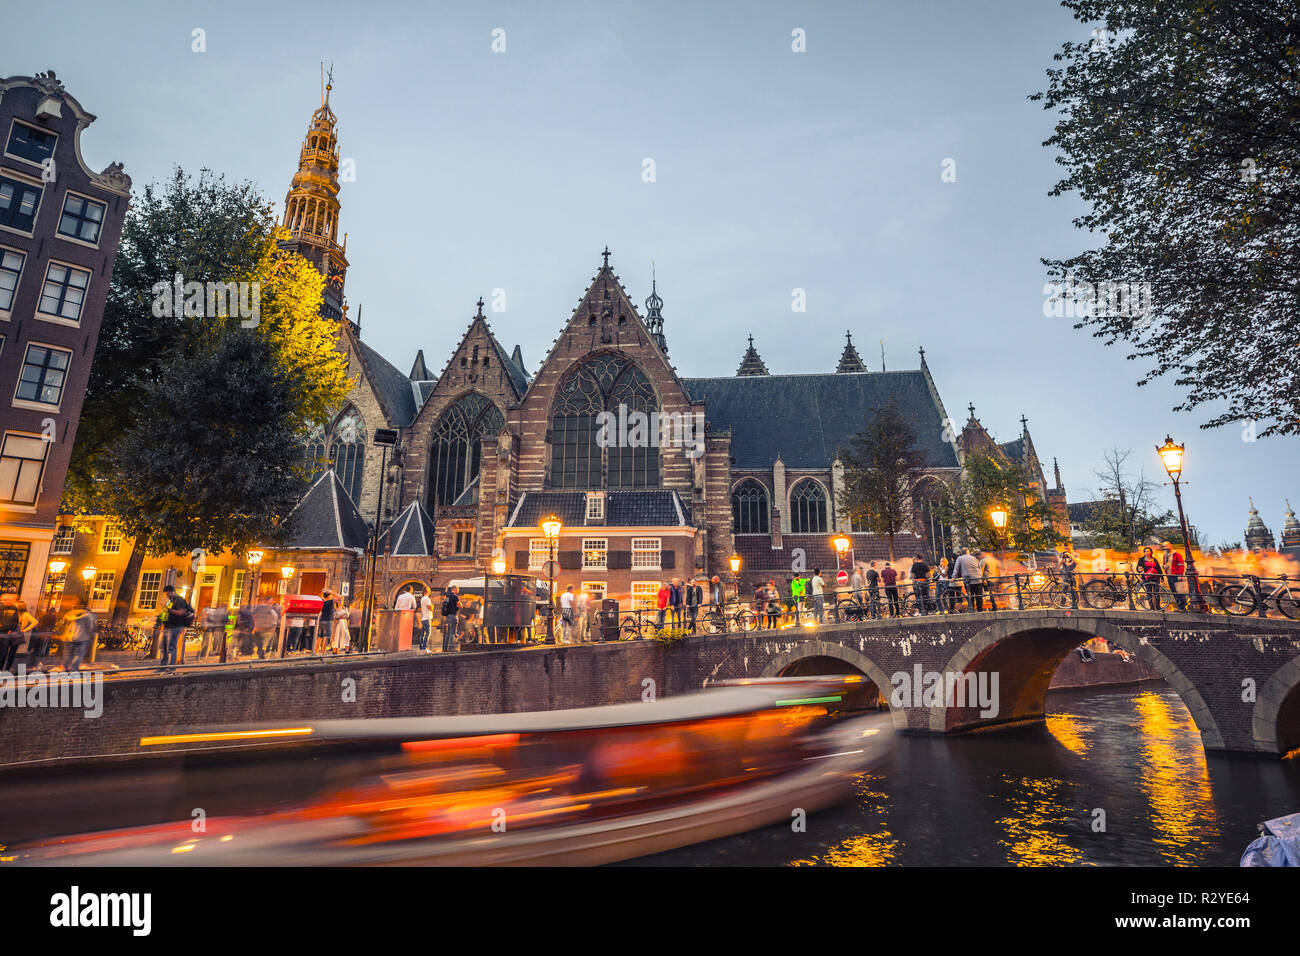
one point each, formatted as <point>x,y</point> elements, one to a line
<point>1124,515</point>
<point>1180,126</point>
<point>212,458</point>
<point>205,230</point>
<point>880,468</point>
<point>986,482</point>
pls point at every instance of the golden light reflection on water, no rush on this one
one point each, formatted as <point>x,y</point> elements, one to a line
<point>1175,779</point>
<point>1039,814</point>
<point>1068,730</point>
<point>878,847</point>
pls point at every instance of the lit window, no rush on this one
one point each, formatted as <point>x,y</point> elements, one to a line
<point>645,595</point>
<point>596,589</point>
<point>645,554</point>
<point>595,553</point>
<point>43,374</point>
<point>82,218</point>
<point>64,535</point>
<point>11,267</point>
<point>22,460</point>
<point>595,506</point>
<point>150,585</point>
<point>101,592</point>
<point>539,551</point>
<point>64,292</point>
<point>18,202</point>
<point>111,540</point>
<point>237,589</point>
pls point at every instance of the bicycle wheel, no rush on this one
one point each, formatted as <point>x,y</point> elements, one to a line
<point>713,622</point>
<point>1164,599</point>
<point>629,629</point>
<point>1237,599</point>
<point>745,620</point>
<point>1060,598</point>
<point>1287,605</point>
<point>1101,595</point>
<point>847,609</point>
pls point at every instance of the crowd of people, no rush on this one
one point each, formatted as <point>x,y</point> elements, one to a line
<point>19,629</point>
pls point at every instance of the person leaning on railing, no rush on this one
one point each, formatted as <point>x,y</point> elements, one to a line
<point>1069,566</point>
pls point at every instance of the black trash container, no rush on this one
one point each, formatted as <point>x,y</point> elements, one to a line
<point>607,619</point>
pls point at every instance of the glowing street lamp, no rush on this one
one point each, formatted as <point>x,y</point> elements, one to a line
<point>1172,455</point>
<point>551,525</point>
<point>999,517</point>
<point>58,566</point>
<point>499,564</point>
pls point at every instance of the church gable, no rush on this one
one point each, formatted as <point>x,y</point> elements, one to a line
<point>605,323</point>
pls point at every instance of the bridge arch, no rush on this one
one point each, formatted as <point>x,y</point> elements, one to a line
<point>1030,651</point>
<point>808,650</point>
<point>1275,720</point>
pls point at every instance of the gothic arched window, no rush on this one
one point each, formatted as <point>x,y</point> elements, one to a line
<point>749,511</point>
<point>628,455</point>
<point>341,446</point>
<point>808,508</point>
<point>455,447</point>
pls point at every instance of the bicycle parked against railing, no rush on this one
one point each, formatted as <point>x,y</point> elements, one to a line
<point>1113,589</point>
<point>732,616</point>
<point>1247,597</point>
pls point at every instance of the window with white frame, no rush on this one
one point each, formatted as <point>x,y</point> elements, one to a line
<point>146,598</point>
<point>539,551</point>
<point>11,268</point>
<point>596,589</point>
<point>64,291</point>
<point>22,460</point>
<point>110,541</point>
<point>237,589</point>
<point>64,536</point>
<point>595,507</point>
<point>646,554</point>
<point>595,554</point>
<point>645,595</point>
<point>101,592</point>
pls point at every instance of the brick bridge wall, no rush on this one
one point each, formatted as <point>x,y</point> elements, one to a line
<point>1212,662</point>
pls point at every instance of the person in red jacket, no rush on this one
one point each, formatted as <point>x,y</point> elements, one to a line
<point>661,602</point>
<point>1175,568</point>
<point>1151,572</point>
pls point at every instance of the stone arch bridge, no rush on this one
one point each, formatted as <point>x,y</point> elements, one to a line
<point>942,674</point>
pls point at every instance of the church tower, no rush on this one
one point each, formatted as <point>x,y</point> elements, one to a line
<point>311,208</point>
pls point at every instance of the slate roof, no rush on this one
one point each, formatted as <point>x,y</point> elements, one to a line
<point>1015,450</point>
<point>413,533</point>
<point>807,419</point>
<point>326,518</point>
<point>651,508</point>
<point>392,388</point>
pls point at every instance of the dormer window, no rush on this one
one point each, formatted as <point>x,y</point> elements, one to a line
<point>29,143</point>
<point>595,506</point>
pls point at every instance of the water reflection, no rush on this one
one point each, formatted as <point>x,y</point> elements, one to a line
<point>1041,811</point>
<point>1175,779</point>
<point>876,847</point>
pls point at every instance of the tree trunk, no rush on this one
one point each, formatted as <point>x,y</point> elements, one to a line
<point>130,577</point>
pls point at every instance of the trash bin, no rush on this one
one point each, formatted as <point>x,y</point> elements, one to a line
<point>607,619</point>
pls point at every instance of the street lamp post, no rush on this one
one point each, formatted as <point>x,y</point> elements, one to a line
<point>88,575</point>
<point>57,566</point>
<point>551,531</point>
<point>1172,456</point>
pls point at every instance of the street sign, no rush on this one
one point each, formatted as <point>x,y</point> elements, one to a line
<point>345,588</point>
<point>551,569</point>
<point>842,577</point>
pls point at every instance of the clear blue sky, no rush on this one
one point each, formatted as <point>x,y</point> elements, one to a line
<point>775,170</point>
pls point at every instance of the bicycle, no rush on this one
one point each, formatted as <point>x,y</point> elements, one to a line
<point>716,620</point>
<point>635,626</point>
<point>1245,598</point>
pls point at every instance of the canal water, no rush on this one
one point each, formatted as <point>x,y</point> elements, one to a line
<point>1115,777</point>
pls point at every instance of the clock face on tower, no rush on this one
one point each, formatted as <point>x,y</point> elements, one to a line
<point>335,276</point>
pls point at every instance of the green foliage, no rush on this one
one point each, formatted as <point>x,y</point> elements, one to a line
<point>984,483</point>
<point>670,635</point>
<point>211,457</point>
<point>881,465</point>
<point>1178,127</point>
<point>1125,515</point>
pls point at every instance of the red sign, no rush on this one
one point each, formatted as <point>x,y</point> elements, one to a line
<point>842,577</point>
<point>302,604</point>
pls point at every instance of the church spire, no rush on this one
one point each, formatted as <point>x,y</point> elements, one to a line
<point>311,208</point>
<point>850,361</point>
<point>654,319</point>
<point>751,364</point>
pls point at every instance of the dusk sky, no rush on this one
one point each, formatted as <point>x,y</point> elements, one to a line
<point>773,171</point>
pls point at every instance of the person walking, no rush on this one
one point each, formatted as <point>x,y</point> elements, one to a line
<point>177,616</point>
<point>715,591</point>
<point>857,584</point>
<point>325,628</point>
<point>450,618</point>
<point>890,579</point>
<point>873,588</point>
<point>341,639</point>
<point>676,601</point>
<point>355,615</point>
<point>693,597</point>
<point>1069,575</point>
<point>798,590</point>
<point>214,625</point>
<point>942,587</point>
<point>266,626</point>
<point>11,635</point>
<point>39,643</point>
<point>990,574</point>
<point>426,619</point>
<point>773,599</point>
<point>921,584</point>
<point>243,638</point>
<point>661,603</point>
<point>566,616</point>
<point>1175,569</point>
<point>79,633</point>
<point>582,616</point>
<point>967,569</point>
<point>1149,568</point>
<point>818,595</point>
